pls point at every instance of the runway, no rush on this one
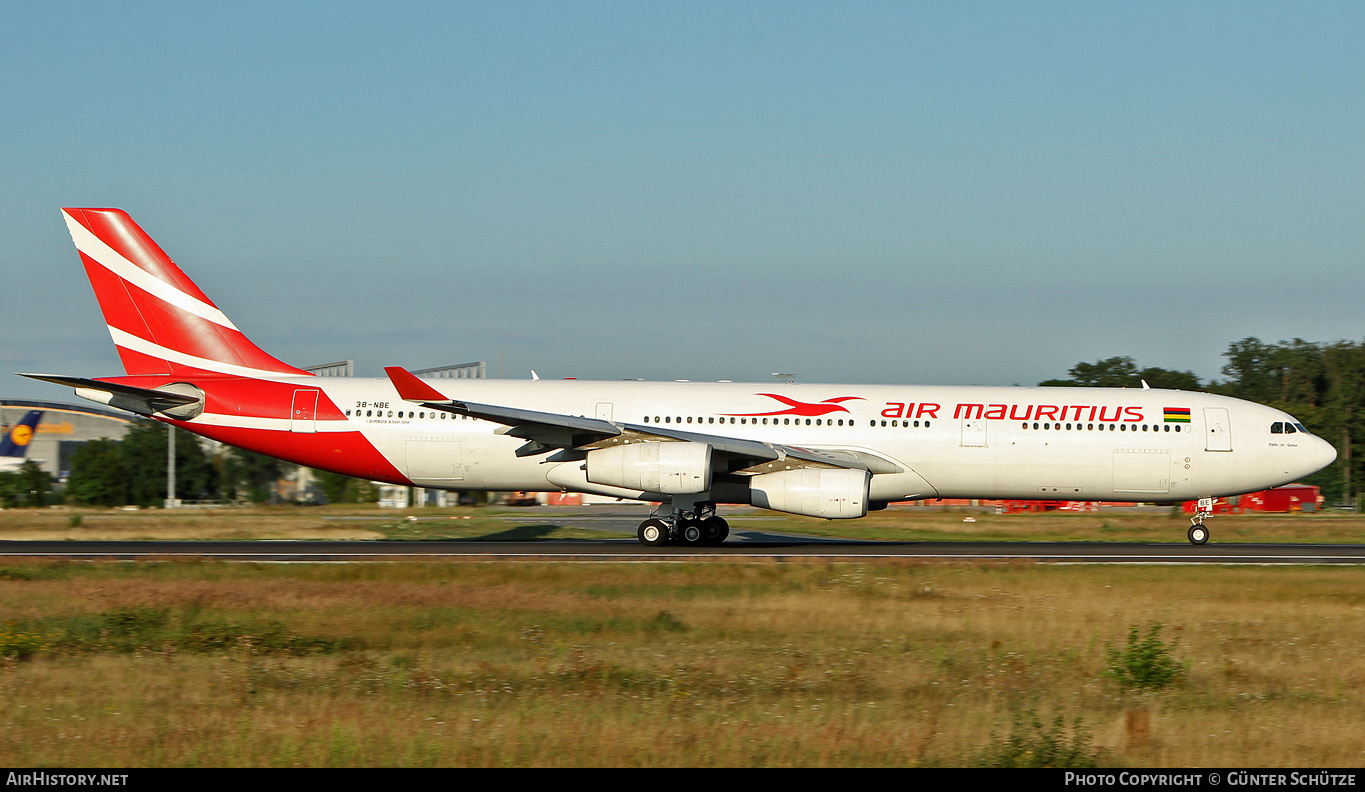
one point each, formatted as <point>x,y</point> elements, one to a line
<point>744,544</point>
<point>766,547</point>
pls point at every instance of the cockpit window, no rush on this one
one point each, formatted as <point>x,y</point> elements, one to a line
<point>1288,427</point>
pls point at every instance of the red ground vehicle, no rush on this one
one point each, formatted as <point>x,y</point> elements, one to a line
<point>521,499</point>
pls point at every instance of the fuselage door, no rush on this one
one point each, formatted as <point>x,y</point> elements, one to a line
<point>1217,429</point>
<point>303,414</point>
<point>435,460</point>
<point>973,432</point>
<point>604,411</point>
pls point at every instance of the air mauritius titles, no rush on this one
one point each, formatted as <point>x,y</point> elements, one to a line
<point>993,412</point>
<point>1080,413</point>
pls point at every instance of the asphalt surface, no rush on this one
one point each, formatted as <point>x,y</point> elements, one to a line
<point>743,543</point>
<point>743,548</point>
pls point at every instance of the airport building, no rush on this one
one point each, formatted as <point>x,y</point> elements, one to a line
<point>62,429</point>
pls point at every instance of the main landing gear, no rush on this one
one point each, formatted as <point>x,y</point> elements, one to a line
<point>1199,533</point>
<point>698,527</point>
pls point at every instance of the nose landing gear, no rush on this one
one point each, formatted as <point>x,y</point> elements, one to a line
<point>1199,533</point>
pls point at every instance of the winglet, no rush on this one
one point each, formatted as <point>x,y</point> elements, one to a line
<point>412,389</point>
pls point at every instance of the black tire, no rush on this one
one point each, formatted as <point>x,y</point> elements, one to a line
<point>653,533</point>
<point>1198,535</point>
<point>714,531</point>
<point>691,533</point>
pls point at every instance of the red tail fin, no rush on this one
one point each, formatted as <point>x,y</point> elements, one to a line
<point>160,321</point>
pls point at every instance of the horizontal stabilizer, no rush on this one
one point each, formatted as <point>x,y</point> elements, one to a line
<point>184,402</point>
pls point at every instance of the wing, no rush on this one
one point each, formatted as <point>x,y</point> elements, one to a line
<point>570,437</point>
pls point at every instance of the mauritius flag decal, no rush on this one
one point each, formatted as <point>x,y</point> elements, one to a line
<point>1177,414</point>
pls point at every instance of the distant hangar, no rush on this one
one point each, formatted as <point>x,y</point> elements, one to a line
<point>63,428</point>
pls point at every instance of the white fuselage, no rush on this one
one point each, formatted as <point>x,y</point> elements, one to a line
<point>937,442</point>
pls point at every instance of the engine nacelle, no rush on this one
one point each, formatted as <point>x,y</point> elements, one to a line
<point>665,468</point>
<point>816,492</point>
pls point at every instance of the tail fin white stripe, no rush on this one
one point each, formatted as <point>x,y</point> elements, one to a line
<point>129,341</point>
<point>112,260</point>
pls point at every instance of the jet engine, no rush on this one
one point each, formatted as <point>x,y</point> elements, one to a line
<point>836,494</point>
<point>666,468</point>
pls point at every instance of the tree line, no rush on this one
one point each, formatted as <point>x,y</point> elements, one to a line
<point>1321,384</point>
<point>132,471</point>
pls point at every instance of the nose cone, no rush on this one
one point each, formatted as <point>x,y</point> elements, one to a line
<point>1316,455</point>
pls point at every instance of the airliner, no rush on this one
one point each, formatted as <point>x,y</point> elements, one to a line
<point>14,447</point>
<point>833,451</point>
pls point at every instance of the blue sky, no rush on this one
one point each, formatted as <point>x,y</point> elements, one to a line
<point>957,193</point>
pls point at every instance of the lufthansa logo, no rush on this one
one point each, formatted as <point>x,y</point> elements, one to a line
<point>21,435</point>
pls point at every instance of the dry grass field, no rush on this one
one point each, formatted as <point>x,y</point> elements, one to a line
<point>731,663</point>
<point>702,664</point>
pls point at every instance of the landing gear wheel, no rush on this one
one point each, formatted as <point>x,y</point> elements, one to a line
<point>714,530</point>
<point>690,533</point>
<point>653,533</point>
<point>1198,534</point>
